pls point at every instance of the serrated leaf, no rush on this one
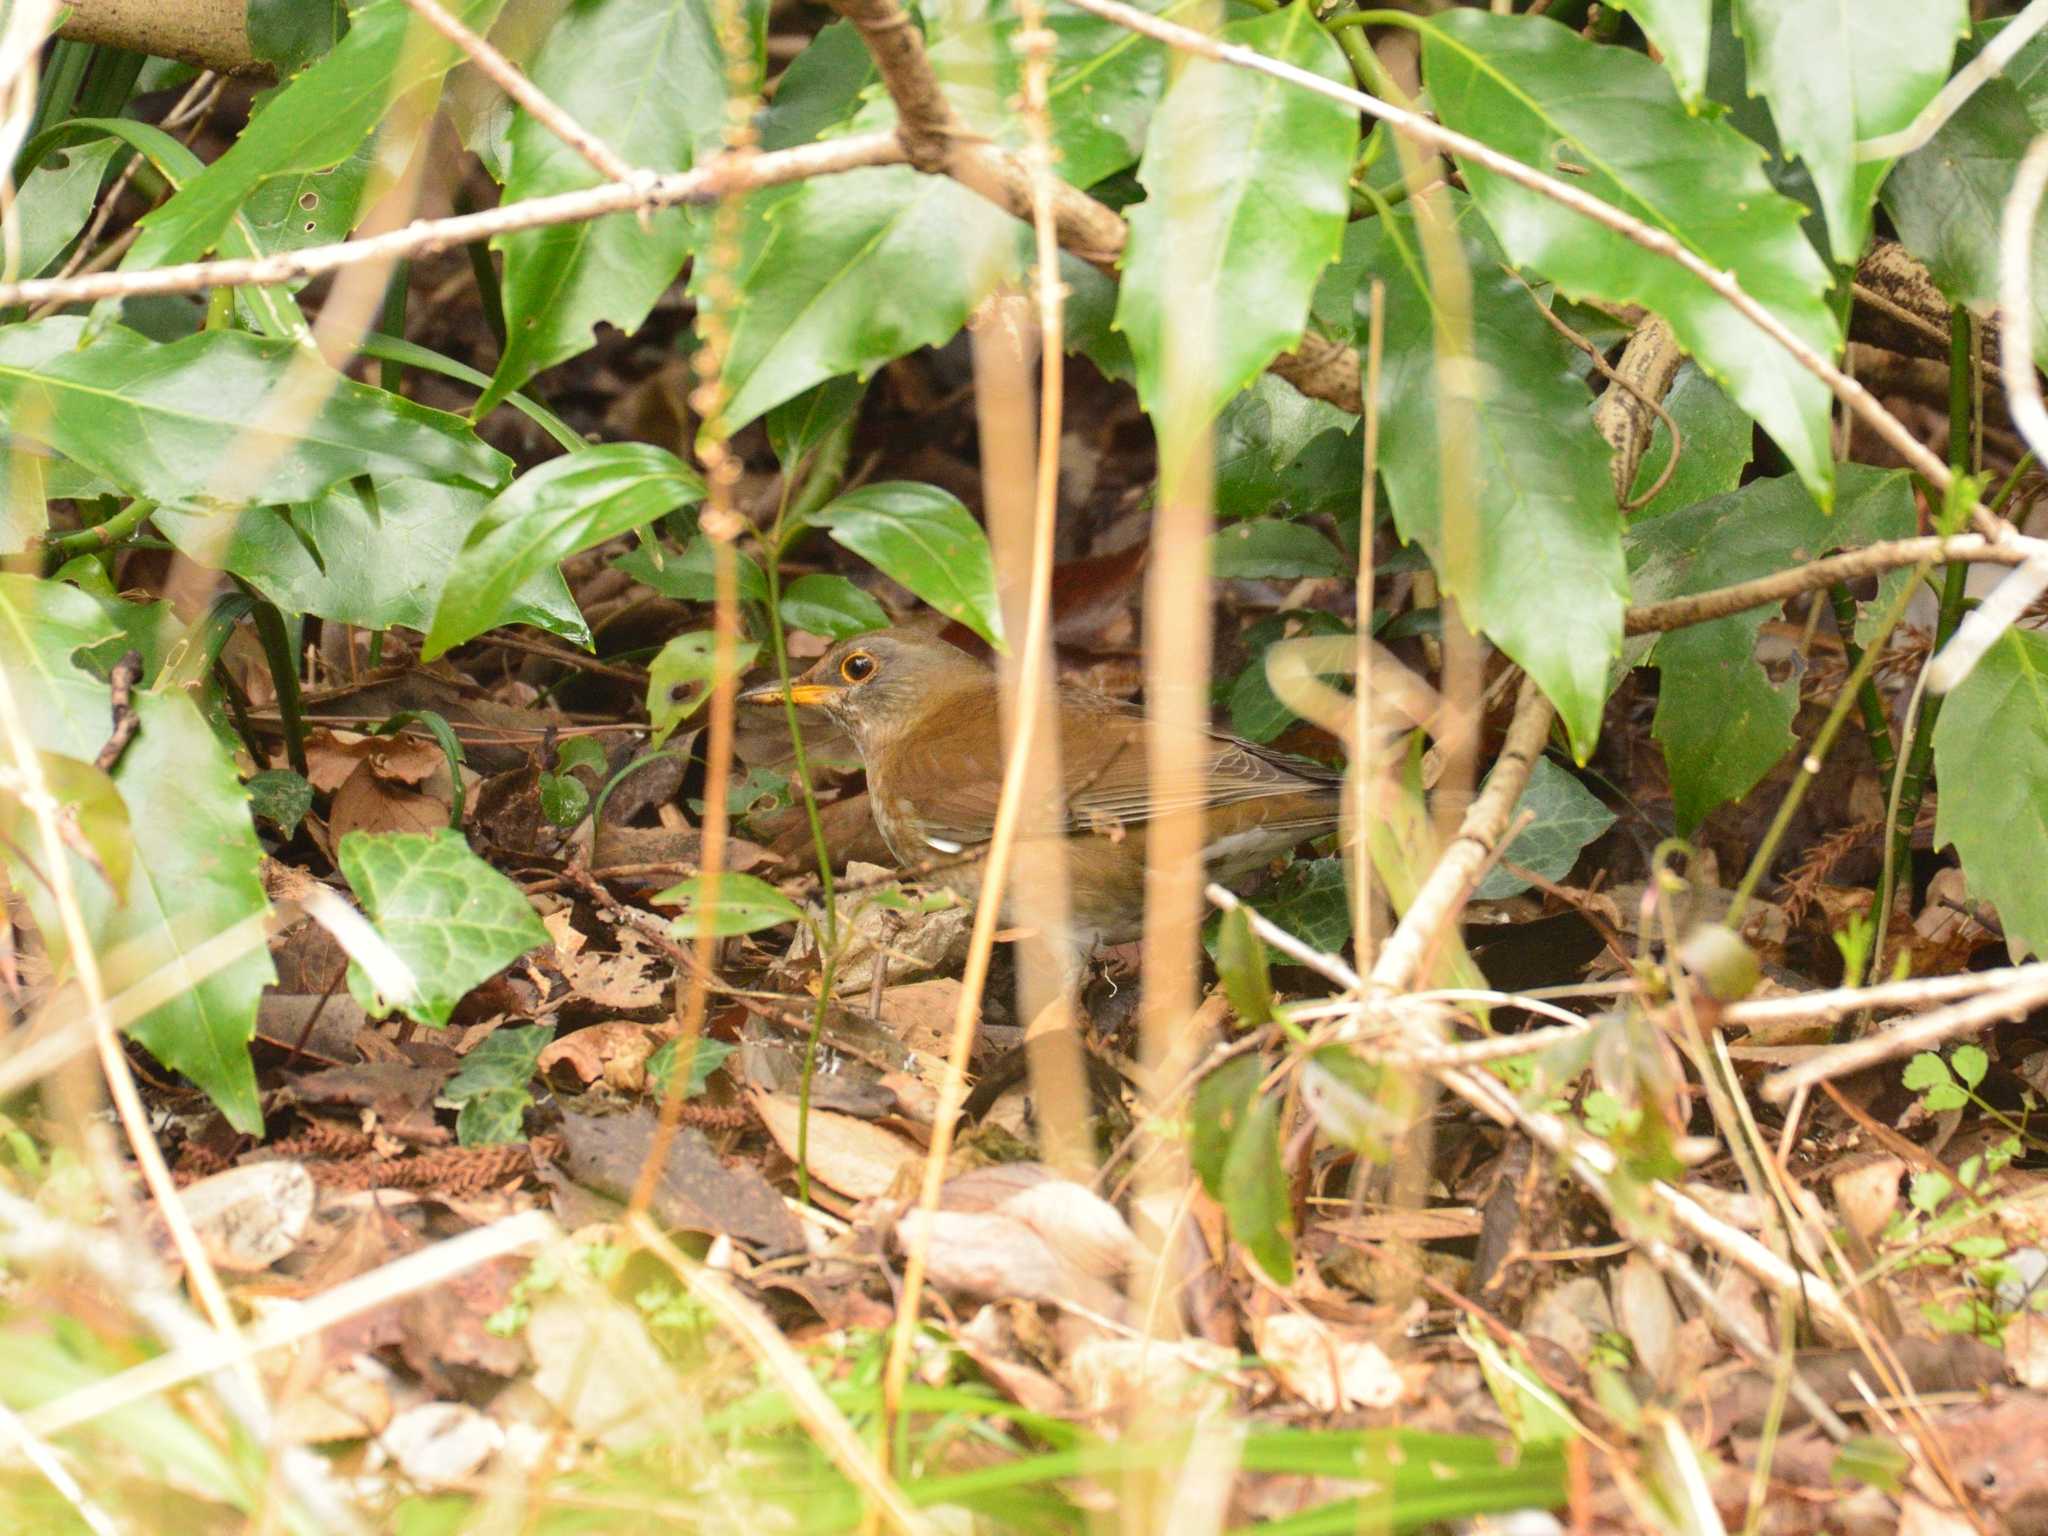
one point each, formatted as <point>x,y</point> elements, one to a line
<point>1946,200</point>
<point>844,273</point>
<point>831,606</point>
<point>1542,574</point>
<point>334,556</point>
<point>1246,204</point>
<point>565,506</point>
<point>1537,91</point>
<point>1722,722</point>
<point>1835,74</point>
<point>923,538</point>
<point>1568,817</point>
<point>176,422</point>
<point>647,77</point>
<point>681,678</point>
<point>1269,547</point>
<point>1991,759</point>
<point>1715,446</point>
<point>194,870</point>
<point>452,918</point>
<point>1222,1100</point>
<point>1256,1198</point>
<point>744,904</point>
<point>1681,29</point>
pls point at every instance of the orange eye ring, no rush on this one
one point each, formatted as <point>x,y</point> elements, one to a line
<point>858,667</point>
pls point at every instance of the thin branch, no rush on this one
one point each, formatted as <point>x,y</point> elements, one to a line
<point>1448,141</point>
<point>720,176</point>
<point>513,81</point>
<point>1842,1002</point>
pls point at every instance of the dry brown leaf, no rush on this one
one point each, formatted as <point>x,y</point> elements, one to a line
<point>1326,1367</point>
<point>614,1054</point>
<point>249,1217</point>
<point>852,1156</point>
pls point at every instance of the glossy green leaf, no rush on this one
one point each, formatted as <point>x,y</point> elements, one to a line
<point>682,676</point>
<point>1241,962</point>
<point>1567,817</point>
<point>688,575</point>
<point>1723,723</point>
<point>55,200</point>
<point>923,538</point>
<point>493,1086</point>
<point>1269,547</point>
<point>1716,441</point>
<point>1262,440</point>
<point>1947,197</point>
<point>649,79</point>
<point>449,916</point>
<point>1222,1100</point>
<point>831,606</point>
<point>1681,29</point>
<point>1256,712</point>
<point>1539,92</point>
<point>315,121</point>
<point>1541,573</point>
<point>1256,1198</point>
<point>194,422</point>
<point>843,273</point>
<point>797,426</point>
<point>1834,74</point>
<point>820,89</point>
<point>1245,177</point>
<point>1991,758</point>
<point>565,506</point>
<point>743,904</point>
<point>376,556</point>
<point>193,877</point>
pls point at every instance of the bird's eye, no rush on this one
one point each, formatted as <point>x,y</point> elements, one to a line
<point>858,667</point>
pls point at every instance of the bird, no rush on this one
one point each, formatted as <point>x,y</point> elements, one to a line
<point>924,717</point>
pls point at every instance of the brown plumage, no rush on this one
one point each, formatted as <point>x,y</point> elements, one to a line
<point>924,717</point>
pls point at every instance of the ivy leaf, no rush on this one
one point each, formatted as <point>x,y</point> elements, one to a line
<point>1722,722</point>
<point>1835,74</point>
<point>454,920</point>
<point>1682,31</point>
<point>331,556</point>
<point>745,904</point>
<point>1246,181</point>
<point>1311,901</point>
<point>565,506</point>
<point>831,606</point>
<point>1537,91</point>
<point>649,79</point>
<point>1567,818</point>
<point>193,872</point>
<point>492,1086</point>
<point>841,274</point>
<point>1542,574</point>
<point>923,538</point>
<point>173,422</point>
<point>1991,755</point>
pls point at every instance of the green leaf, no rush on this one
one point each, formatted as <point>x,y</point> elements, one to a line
<point>55,200</point>
<point>1722,722</point>
<point>820,89</point>
<point>1681,29</point>
<point>1924,1071</point>
<point>290,34</point>
<point>1246,181</point>
<point>1256,712</point>
<point>91,807</point>
<point>565,506</point>
<point>923,538</point>
<point>842,274</point>
<point>745,904</point>
<point>1970,1064</point>
<point>1542,573</point>
<point>1991,755</point>
<point>1269,547</point>
<point>1715,445</point>
<point>831,606</point>
<point>1241,962</point>
<point>563,799</point>
<point>1537,91</point>
<point>1568,817</point>
<point>649,79</point>
<point>193,422</point>
<point>1946,200</point>
<point>493,1086</point>
<point>706,1059</point>
<point>280,797</point>
<point>1255,1194</point>
<point>688,575</point>
<point>797,426</point>
<point>452,918</point>
<point>331,556</point>
<point>1311,901</point>
<point>193,875</point>
<point>1835,74</point>
<point>683,675</point>
<point>1222,1100</point>
<point>315,122</point>
<point>1261,438</point>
